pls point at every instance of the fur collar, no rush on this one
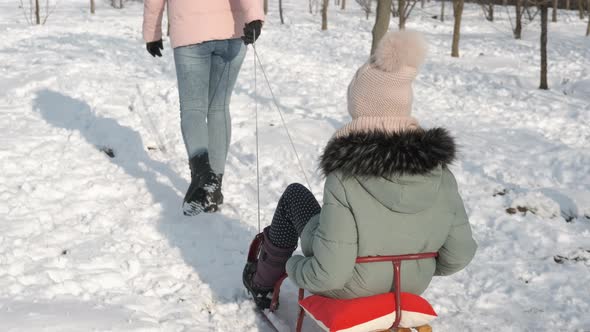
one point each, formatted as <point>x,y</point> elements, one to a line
<point>384,154</point>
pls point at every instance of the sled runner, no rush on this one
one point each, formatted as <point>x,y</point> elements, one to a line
<point>394,311</point>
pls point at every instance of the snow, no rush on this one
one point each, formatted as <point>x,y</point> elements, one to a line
<point>90,242</point>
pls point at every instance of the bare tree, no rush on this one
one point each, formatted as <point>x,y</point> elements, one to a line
<point>92,7</point>
<point>37,10</point>
<point>588,28</point>
<point>281,11</point>
<point>33,12</point>
<point>518,25</point>
<point>381,22</point>
<point>394,12</point>
<point>458,13</point>
<point>487,6</point>
<point>527,8</point>
<point>117,4</point>
<point>405,8</point>
<point>554,13</point>
<point>266,7</point>
<point>581,9</point>
<point>343,5</point>
<point>567,4</point>
<point>401,5</point>
<point>544,18</point>
<point>366,6</point>
<point>442,10</point>
<point>325,5</point>
<point>28,15</point>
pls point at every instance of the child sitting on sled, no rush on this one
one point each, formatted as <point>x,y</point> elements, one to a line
<point>388,191</point>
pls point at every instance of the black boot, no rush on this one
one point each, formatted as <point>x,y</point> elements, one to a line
<point>196,199</point>
<point>260,275</point>
<point>214,195</point>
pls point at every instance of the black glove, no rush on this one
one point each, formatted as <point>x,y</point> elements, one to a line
<point>154,48</point>
<point>252,32</point>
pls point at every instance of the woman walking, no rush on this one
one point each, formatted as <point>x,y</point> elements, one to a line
<point>209,39</point>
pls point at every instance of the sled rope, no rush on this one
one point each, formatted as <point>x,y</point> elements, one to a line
<point>257,145</point>
<point>147,122</point>
<point>275,102</point>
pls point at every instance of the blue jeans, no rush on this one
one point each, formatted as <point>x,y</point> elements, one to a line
<point>207,74</point>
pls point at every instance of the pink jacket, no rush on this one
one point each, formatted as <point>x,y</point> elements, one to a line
<point>197,21</point>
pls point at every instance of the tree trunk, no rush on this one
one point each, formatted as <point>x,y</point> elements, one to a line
<point>117,4</point>
<point>458,13</point>
<point>92,7</point>
<point>266,7</point>
<point>491,10</point>
<point>325,14</point>
<point>381,22</point>
<point>588,8</point>
<point>343,5</point>
<point>442,10</point>
<point>422,4</point>
<point>554,14</point>
<point>401,7</point>
<point>581,9</point>
<point>310,7</point>
<point>567,4</point>
<point>37,15</point>
<point>544,18</point>
<point>281,11</point>
<point>518,27</point>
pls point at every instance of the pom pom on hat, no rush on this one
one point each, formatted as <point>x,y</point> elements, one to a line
<point>399,49</point>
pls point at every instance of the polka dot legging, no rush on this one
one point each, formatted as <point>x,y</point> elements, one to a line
<point>295,208</point>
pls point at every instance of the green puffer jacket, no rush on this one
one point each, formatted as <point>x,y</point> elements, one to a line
<point>385,194</point>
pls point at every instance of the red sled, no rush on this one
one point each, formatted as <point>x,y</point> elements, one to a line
<point>393,311</point>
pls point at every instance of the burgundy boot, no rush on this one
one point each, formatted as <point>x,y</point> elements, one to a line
<point>260,277</point>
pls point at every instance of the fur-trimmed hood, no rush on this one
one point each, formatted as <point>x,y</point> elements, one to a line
<point>379,154</point>
<point>384,215</point>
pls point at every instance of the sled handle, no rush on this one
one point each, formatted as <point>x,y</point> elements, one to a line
<point>397,263</point>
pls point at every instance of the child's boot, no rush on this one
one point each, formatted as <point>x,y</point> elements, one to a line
<point>260,278</point>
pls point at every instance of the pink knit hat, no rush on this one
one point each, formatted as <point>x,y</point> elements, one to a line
<point>380,94</point>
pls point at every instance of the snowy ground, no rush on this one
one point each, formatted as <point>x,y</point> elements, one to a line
<point>90,242</point>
